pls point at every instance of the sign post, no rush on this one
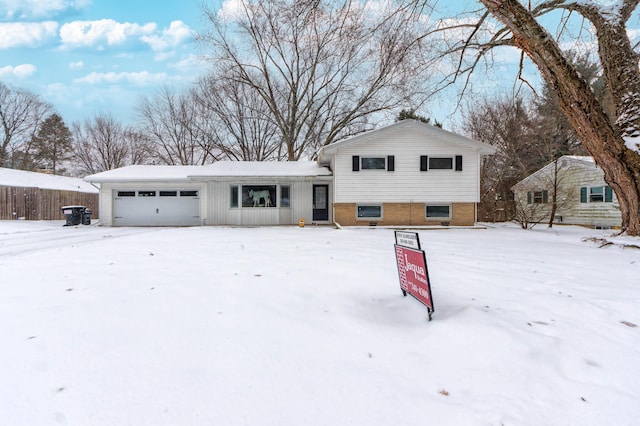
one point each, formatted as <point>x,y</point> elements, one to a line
<point>412,268</point>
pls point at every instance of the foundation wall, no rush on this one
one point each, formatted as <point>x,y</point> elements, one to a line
<point>406,214</point>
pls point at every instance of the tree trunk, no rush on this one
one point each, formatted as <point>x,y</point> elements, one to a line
<point>598,134</point>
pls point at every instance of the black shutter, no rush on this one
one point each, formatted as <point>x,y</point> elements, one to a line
<point>391,166</point>
<point>529,197</point>
<point>583,194</point>
<point>608,194</point>
<point>545,196</point>
<point>458,163</point>
<point>424,161</point>
<point>355,163</point>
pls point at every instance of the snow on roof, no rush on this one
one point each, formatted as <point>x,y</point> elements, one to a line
<point>218,169</point>
<point>263,168</point>
<point>22,178</point>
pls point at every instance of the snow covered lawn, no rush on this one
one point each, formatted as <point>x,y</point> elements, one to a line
<point>308,326</point>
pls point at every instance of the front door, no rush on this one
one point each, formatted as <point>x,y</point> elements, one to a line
<point>320,202</point>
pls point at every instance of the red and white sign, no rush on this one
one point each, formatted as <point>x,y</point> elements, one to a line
<point>414,277</point>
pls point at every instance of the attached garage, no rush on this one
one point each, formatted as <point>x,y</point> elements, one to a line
<point>156,207</point>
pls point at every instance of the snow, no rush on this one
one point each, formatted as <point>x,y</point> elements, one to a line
<point>217,169</point>
<point>307,326</point>
<point>21,178</point>
<point>633,143</point>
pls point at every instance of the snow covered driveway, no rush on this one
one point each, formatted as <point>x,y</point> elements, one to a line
<point>290,326</point>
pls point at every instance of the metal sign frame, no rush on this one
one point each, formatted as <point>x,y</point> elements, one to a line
<point>413,272</point>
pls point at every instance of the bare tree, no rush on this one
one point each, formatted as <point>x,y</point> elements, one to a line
<point>21,113</point>
<point>323,68</point>
<point>240,121</point>
<point>177,127</point>
<point>102,143</point>
<point>609,136</point>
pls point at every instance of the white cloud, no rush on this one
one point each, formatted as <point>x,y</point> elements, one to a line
<point>232,10</point>
<point>26,34</point>
<point>36,9</point>
<point>20,71</point>
<point>143,78</point>
<point>171,37</point>
<point>101,32</point>
<point>76,65</point>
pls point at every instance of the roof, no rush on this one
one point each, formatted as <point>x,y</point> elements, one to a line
<point>140,173</point>
<point>575,160</point>
<point>25,179</point>
<point>432,132</point>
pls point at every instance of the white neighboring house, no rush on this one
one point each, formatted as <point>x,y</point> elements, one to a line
<point>583,197</point>
<point>408,173</point>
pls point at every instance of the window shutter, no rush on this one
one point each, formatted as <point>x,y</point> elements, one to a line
<point>608,194</point>
<point>545,196</point>
<point>583,194</point>
<point>391,166</point>
<point>355,163</point>
<point>529,197</point>
<point>424,161</point>
<point>458,163</point>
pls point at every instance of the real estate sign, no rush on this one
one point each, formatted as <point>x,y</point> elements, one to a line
<point>412,268</point>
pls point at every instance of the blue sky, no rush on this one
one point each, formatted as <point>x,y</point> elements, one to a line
<point>92,56</point>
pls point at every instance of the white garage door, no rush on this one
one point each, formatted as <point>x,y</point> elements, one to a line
<point>156,207</point>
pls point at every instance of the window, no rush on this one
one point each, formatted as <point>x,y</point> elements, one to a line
<point>259,196</point>
<point>370,212</point>
<point>233,196</point>
<point>188,193</point>
<point>373,163</point>
<point>126,193</point>
<point>168,193</point>
<point>537,197</point>
<point>146,193</point>
<point>285,200</point>
<point>596,194</point>
<point>440,163</point>
<point>438,211</point>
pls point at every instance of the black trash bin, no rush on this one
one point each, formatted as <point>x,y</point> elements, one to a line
<point>73,214</point>
<point>86,217</point>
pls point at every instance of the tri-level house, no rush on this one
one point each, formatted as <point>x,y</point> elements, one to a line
<point>406,174</point>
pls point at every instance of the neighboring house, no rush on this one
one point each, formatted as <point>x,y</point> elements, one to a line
<point>583,197</point>
<point>408,173</point>
<point>39,196</point>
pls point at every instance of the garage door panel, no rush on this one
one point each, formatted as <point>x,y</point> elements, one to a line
<point>157,208</point>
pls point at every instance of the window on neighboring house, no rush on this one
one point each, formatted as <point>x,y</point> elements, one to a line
<point>537,197</point>
<point>285,198</point>
<point>370,211</point>
<point>438,211</point>
<point>596,194</point>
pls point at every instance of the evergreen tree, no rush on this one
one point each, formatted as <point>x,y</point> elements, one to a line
<point>52,144</point>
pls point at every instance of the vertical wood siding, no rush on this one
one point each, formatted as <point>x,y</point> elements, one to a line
<point>42,204</point>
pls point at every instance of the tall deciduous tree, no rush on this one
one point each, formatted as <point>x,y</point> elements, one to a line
<point>321,67</point>
<point>611,137</point>
<point>102,143</point>
<point>21,113</point>
<point>52,144</point>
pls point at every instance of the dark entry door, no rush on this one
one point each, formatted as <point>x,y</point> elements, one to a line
<point>320,202</point>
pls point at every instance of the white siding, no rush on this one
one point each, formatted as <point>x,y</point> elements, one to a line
<point>220,211</point>
<point>407,182</point>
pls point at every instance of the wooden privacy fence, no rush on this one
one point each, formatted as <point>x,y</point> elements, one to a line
<point>42,204</point>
